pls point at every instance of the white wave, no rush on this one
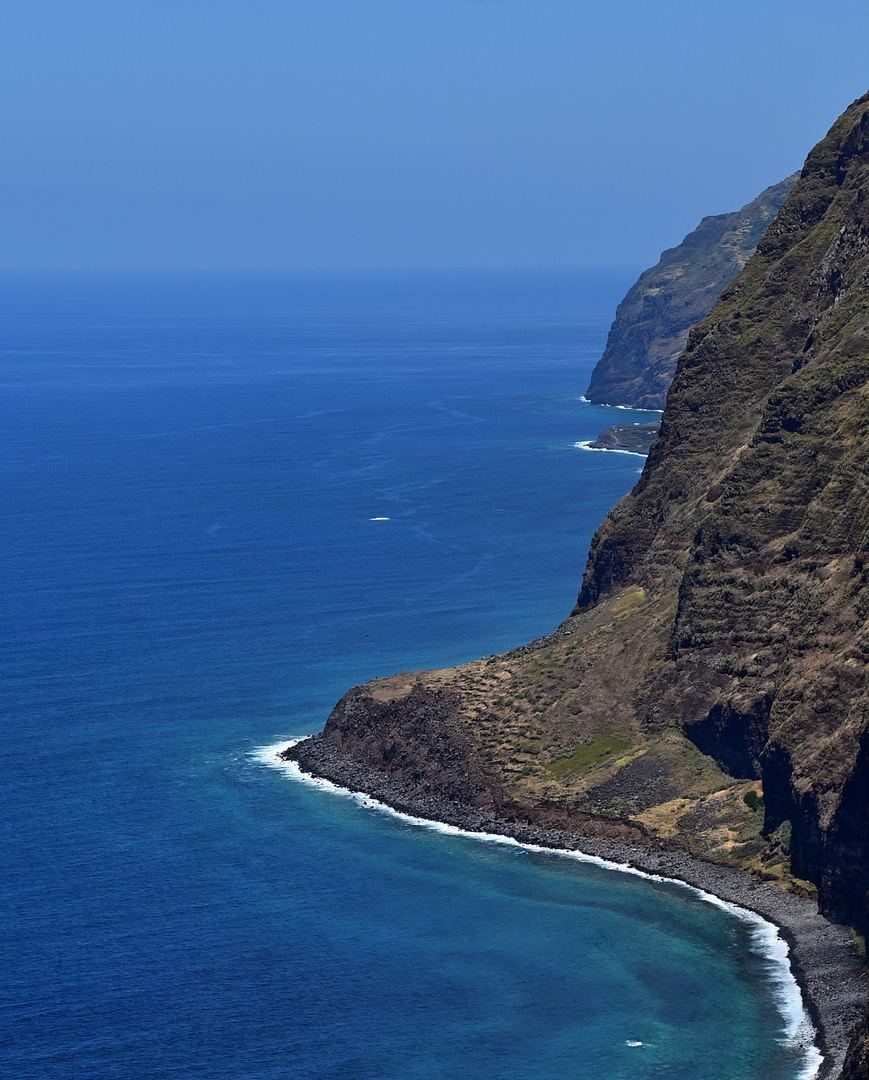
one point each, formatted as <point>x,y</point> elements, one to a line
<point>379,519</point>
<point>627,408</point>
<point>799,1031</point>
<point>586,445</point>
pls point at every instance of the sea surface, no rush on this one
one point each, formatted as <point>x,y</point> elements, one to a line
<point>226,499</point>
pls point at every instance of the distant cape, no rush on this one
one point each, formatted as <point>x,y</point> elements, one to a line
<point>652,322</point>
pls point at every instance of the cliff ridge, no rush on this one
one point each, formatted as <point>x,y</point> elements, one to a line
<point>651,326</point>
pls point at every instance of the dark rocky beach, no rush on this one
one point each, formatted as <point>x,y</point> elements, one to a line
<point>823,955</point>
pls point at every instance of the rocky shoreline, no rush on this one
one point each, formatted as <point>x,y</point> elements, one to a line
<point>633,438</point>
<point>823,956</point>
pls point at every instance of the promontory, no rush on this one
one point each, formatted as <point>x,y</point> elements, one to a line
<point>708,697</point>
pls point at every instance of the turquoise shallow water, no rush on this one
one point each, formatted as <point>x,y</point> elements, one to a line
<point>192,572</point>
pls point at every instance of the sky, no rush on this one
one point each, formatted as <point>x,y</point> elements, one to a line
<point>402,133</point>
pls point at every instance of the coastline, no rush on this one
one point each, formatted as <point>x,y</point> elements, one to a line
<point>821,955</point>
<point>586,444</point>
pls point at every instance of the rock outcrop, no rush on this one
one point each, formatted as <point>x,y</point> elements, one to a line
<point>652,322</point>
<point>711,688</point>
<point>628,438</point>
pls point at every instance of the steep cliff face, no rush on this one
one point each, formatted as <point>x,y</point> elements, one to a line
<point>752,511</point>
<point>652,322</point>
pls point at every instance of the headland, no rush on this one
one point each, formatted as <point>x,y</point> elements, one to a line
<point>703,713</point>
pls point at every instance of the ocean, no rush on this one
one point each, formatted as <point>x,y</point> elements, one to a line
<point>229,497</point>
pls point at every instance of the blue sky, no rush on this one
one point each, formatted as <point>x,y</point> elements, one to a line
<point>347,133</point>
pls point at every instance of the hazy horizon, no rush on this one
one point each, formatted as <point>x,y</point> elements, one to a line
<point>418,134</point>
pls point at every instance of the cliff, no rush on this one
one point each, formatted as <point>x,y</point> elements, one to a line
<point>652,322</point>
<point>709,694</point>
<point>751,522</point>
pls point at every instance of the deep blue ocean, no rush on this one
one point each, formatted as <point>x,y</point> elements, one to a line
<point>227,498</point>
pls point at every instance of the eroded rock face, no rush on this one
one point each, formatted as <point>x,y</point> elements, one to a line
<point>416,738</point>
<point>857,1063</point>
<point>753,506</point>
<point>652,322</point>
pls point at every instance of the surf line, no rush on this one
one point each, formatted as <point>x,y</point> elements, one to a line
<point>627,408</point>
<point>799,1030</point>
<point>585,444</point>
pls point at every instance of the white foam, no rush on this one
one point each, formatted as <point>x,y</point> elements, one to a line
<point>379,519</point>
<point>627,408</point>
<point>766,940</point>
<point>633,408</point>
<point>586,445</point>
